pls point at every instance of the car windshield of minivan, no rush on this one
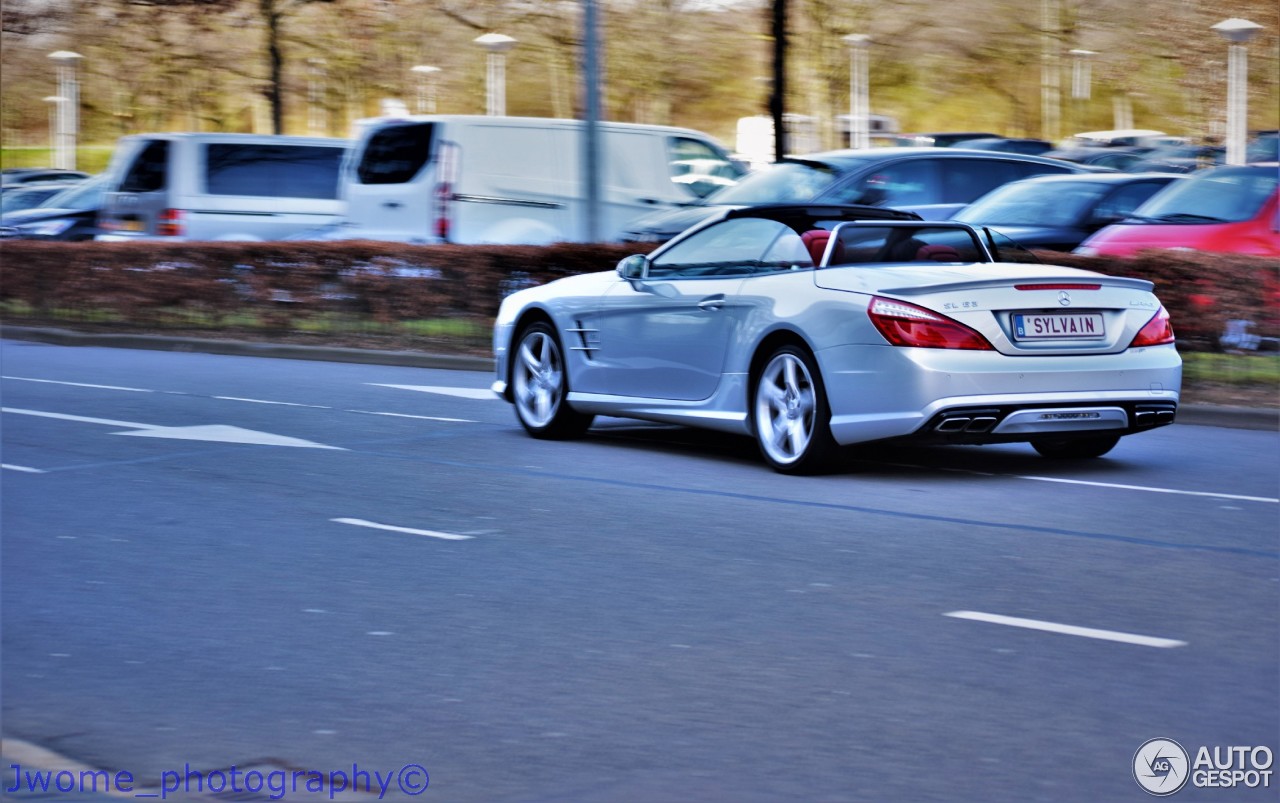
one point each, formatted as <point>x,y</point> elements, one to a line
<point>1227,195</point>
<point>784,182</point>
<point>1033,204</point>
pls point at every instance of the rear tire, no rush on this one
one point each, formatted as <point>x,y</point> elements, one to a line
<point>790,415</point>
<point>1076,448</point>
<point>540,386</point>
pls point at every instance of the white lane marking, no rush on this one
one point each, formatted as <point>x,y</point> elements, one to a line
<point>1154,490</point>
<point>421,417</point>
<point>81,418</point>
<point>411,531</point>
<point>483,394</point>
<point>77,384</point>
<point>24,469</point>
<point>210,432</point>
<point>1070,630</point>
<point>267,401</point>
<point>1117,486</point>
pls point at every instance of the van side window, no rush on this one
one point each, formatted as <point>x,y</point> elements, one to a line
<point>700,168</point>
<point>395,154</point>
<point>278,171</point>
<point>149,170</point>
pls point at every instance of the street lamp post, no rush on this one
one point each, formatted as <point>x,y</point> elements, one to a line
<point>1238,32</point>
<point>859,91</point>
<point>317,114</point>
<point>1081,74</point>
<point>496,79</point>
<point>55,113</point>
<point>68,110</point>
<point>426,87</point>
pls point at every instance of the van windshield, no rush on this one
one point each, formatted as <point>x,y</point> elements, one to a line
<point>395,154</point>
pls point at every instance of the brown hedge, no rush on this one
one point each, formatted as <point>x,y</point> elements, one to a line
<point>387,282</point>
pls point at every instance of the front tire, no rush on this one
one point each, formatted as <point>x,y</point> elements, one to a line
<point>540,386</point>
<point>790,415</point>
<point>1076,448</point>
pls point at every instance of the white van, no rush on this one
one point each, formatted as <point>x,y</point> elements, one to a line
<point>221,186</point>
<point>479,179</point>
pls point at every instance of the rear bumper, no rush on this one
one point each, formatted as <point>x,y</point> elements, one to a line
<point>986,397</point>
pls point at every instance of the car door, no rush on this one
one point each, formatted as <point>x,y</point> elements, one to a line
<point>666,336</point>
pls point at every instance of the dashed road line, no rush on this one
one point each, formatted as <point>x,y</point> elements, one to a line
<point>480,394</point>
<point>77,384</point>
<point>1150,489</point>
<point>421,417</point>
<point>1068,630</point>
<point>408,530</point>
<point>23,469</point>
<point>268,401</point>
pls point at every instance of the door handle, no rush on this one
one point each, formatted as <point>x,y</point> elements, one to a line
<point>712,303</point>
<point>392,204</point>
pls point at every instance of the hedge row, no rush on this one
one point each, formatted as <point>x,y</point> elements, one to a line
<point>144,283</point>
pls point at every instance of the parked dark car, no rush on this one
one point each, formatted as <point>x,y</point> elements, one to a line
<point>941,139</point>
<point>1057,213</point>
<point>1116,158</point>
<point>931,182</point>
<point>70,215</point>
<point>1034,147</point>
<point>13,177</point>
<point>1179,159</point>
<point>28,197</point>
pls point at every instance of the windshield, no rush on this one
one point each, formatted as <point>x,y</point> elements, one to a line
<point>779,183</point>
<point>86,195</point>
<point>1033,204</point>
<point>1222,196</point>
<point>17,200</point>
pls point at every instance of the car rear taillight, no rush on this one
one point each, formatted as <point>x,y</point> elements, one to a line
<point>446,177</point>
<point>1157,332</point>
<point>905,324</point>
<point>169,223</point>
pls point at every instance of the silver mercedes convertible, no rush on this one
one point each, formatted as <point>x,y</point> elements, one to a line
<point>811,328</point>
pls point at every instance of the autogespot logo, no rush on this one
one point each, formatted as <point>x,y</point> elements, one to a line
<point>1161,766</point>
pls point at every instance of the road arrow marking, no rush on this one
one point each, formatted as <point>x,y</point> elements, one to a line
<point>481,394</point>
<point>217,433</point>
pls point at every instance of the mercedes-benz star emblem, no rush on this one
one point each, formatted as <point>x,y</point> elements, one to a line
<point>1064,298</point>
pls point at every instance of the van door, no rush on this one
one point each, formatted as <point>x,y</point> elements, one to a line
<point>634,179</point>
<point>136,205</point>
<point>514,184</point>
<point>390,184</point>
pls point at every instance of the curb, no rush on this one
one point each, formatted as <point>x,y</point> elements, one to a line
<point>1206,415</point>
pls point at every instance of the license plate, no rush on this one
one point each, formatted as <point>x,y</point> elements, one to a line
<point>1058,326</point>
<point>132,225</point>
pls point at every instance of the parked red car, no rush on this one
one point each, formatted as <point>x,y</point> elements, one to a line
<point>1229,209</point>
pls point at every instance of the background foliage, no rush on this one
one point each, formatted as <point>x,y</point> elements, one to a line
<point>971,64</point>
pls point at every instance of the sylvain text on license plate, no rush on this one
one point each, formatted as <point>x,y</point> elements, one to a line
<point>1060,326</point>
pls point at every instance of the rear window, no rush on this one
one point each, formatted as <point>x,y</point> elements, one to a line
<point>395,154</point>
<point>272,171</point>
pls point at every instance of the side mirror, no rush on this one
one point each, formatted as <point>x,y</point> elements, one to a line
<point>634,267</point>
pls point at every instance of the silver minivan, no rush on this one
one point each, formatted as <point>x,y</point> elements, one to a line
<point>221,186</point>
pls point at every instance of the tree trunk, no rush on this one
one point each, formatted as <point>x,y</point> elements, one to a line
<point>275,95</point>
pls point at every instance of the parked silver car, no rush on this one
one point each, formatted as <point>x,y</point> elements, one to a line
<point>810,328</point>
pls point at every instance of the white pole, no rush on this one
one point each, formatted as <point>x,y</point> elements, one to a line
<point>859,91</point>
<point>1237,32</point>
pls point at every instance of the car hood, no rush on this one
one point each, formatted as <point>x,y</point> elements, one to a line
<point>36,215</point>
<point>668,223</point>
<point>916,279</point>
<point>1035,234</point>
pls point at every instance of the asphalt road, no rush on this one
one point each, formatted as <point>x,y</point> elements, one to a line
<point>300,566</point>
